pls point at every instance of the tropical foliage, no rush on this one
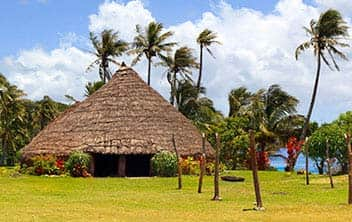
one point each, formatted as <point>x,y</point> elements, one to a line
<point>151,42</point>
<point>106,49</point>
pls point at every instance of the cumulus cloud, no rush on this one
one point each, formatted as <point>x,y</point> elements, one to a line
<point>257,50</point>
<point>55,73</point>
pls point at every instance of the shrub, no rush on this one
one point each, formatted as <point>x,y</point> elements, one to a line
<point>44,164</point>
<point>210,168</point>
<point>77,164</point>
<point>164,164</point>
<point>190,166</point>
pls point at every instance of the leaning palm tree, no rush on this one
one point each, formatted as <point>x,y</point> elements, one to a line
<point>150,42</point>
<point>205,39</point>
<point>325,37</point>
<point>106,48</point>
<point>181,63</point>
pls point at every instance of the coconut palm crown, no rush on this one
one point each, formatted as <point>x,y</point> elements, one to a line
<point>181,63</point>
<point>150,42</point>
<point>106,49</point>
<point>325,38</point>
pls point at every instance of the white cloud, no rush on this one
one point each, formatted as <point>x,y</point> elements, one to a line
<point>257,50</point>
<point>121,17</point>
<point>55,73</point>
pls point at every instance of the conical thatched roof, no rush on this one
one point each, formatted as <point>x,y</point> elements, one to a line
<point>125,116</point>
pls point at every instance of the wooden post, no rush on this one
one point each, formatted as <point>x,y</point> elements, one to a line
<point>216,173</point>
<point>178,159</point>
<point>328,164</point>
<point>306,146</point>
<point>121,169</point>
<point>92,165</point>
<point>202,165</point>
<point>255,171</point>
<point>349,150</point>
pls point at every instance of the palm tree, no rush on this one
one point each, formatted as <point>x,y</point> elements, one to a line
<point>151,42</point>
<point>91,87</point>
<point>238,98</point>
<point>12,114</point>
<point>325,35</point>
<point>272,113</point>
<point>181,63</point>
<point>205,39</point>
<point>194,106</point>
<point>46,111</point>
<point>106,48</point>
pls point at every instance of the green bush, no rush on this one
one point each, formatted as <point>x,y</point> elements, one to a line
<point>77,164</point>
<point>164,164</point>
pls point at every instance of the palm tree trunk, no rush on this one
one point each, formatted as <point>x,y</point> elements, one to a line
<point>349,150</point>
<point>202,165</point>
<point>149,68</point>
<point>173,90</point>
<point>216,173</point>
<point>252,150</point>
<point>3,156</point>
<point>306,122</point>
<point>200,67</point>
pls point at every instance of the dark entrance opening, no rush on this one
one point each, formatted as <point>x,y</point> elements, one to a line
<point>107,165</point>
<point>138,165</point>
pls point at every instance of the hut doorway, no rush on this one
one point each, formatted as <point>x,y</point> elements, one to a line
<point>105,165</point>
<point>110,165</point>
<point>138,165</point>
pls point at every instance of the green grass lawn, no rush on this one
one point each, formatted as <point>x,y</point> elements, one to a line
<point>285,197</point>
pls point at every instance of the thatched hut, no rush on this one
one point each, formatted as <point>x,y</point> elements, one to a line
<point>122,126</point>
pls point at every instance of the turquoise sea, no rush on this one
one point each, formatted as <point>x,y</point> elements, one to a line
<point>280,163</point>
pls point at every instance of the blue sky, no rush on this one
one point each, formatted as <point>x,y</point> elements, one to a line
<point>31,23</point>
<point>44,45</point>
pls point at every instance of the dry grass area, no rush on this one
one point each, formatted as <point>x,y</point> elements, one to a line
<point>285,197</point>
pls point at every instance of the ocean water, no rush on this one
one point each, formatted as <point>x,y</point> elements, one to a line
<point>280,164</point>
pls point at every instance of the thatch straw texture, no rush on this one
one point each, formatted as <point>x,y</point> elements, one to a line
<point>125,116</point>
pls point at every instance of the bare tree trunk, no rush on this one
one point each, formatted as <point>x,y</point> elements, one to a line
<point>149,69</point>
<point>255,171</point>
<point>307,119</point>
<point>328,164</point>
<point>3,156</point>
<point>200,67</point>
<point>349,150</point>
<point>179,170</point>
<point>307,161</point>
<point>173,91</point>
<point>216,173</point>
<point>202,165</point>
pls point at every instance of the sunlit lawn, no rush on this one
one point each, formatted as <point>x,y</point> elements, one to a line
<point>285,197</point>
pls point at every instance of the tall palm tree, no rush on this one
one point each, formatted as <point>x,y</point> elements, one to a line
<point>325,35</point>
<point>181,63</point>
<point>106,48</point>
<point>205,39</point>
<point>12,114</point>
<point>238,98</point>
<point>150,42</point>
